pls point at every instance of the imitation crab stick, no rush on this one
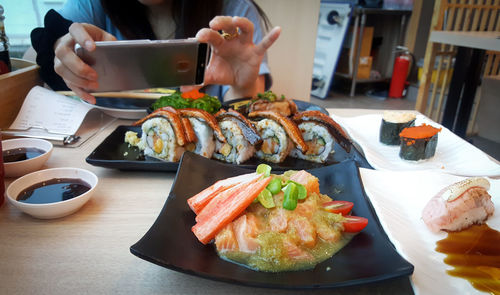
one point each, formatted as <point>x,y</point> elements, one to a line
<point>229,209</point>
<point>215,204</point>
<point>200,200</point>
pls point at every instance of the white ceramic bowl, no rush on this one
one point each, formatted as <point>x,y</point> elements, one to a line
<point>56,209</point>
<point>20,168</point>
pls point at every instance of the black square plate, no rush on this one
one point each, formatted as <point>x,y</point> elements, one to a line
<point>369,257</point>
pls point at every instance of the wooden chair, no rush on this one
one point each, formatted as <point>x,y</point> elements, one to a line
<point>454,15</point>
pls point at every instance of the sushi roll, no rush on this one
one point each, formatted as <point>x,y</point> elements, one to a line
<point>392,124</point>
<point>279,136</point>
<point>320,133</point>
<point>205,129</point>
<point>241,138</point>
<point>163,136</point>
<point>418,142</point>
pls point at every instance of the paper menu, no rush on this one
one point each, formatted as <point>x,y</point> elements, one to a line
<point>50,112</point>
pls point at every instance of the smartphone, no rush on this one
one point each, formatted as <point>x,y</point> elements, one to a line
<point>140,64</point>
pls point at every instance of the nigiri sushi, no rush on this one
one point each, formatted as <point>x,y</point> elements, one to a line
<point>459,205</point>
<point>279,136</point>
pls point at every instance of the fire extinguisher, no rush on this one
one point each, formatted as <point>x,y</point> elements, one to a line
<point>400,72</point>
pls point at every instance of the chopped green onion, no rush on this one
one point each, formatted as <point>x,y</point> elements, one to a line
<point>264,169</point>
<point>266,199</point>
<point>291,197</point>
<point>274,186</point>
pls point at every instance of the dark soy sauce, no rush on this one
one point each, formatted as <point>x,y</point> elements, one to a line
<point>21,154</point>
<point>475,255</point>
<point>53,190</point>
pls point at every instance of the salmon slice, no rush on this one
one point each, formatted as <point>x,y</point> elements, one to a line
<point>308,180</point>
<point>225,240</point>
<point>327,232</point>
<point>278,220</point>
<point>305,231</point>
<point>230,208</point>
<point>294,252</point>
<point>306,208</point>
<point>200,200</point>
<point>246,230</point>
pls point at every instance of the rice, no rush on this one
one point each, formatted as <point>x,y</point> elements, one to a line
<point>205,144</point>
<point>240,149</point>
<point>276,145</point>
<point>319,141</point>
<point>158,140</point>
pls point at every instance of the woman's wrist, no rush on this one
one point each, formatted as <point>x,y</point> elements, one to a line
<point>247,91</point>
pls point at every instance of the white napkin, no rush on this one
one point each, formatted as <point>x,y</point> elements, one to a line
<point>453,154</point>
<point>399,198</point>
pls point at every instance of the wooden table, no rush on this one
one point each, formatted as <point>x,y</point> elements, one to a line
<point>466,75</point>
<point>88,251</point>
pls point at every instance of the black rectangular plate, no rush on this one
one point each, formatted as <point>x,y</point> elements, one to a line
<point>114,153</point>
<point>369,257</point>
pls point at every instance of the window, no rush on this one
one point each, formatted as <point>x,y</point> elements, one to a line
<point>21,17</point>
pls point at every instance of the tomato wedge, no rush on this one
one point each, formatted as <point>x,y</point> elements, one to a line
<point>354,224</point>
<point>339,207</point>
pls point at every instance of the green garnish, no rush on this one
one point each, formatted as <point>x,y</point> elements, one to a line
<point>291,197</point>
<point>264,169</point>
<point>274,186</point>
<point>266,199</point>
<point>208,103</point>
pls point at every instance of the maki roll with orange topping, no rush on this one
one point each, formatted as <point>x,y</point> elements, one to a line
<point>418,142</point>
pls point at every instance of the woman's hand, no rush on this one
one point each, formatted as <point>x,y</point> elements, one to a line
<point>78,75</point>
<point>235,58</point>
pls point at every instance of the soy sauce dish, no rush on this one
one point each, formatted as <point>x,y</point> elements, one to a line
<point>52,193</point>
<point>24,155</point>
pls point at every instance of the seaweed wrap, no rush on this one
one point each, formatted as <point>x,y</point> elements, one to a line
<point>240,138</point>
<point>279,136</point>
<point>418,142</point>
<point>163,136</point>
<point>320,133</point>
<point>392,124</point>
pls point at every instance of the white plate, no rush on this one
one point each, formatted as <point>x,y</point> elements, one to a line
<point>453,154</point>
<point>398,199</point>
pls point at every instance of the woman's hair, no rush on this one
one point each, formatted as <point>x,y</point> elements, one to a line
<point>131,16</point>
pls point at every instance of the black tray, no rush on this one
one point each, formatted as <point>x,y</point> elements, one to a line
<point>114,153</point>
<point>369,257</point>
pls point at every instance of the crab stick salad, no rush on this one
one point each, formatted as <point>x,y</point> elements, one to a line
<point>271,222</point>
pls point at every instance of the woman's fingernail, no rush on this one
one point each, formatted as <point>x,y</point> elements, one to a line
<point>88,45</point>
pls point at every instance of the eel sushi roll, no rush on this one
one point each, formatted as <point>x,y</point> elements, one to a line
<point>163,135</point>
<point>279,136</point>
<point>320,133</point>
<point>392,124</point>
<point>418,142</point>
<point>206,131</point>
<point>240,135</point>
